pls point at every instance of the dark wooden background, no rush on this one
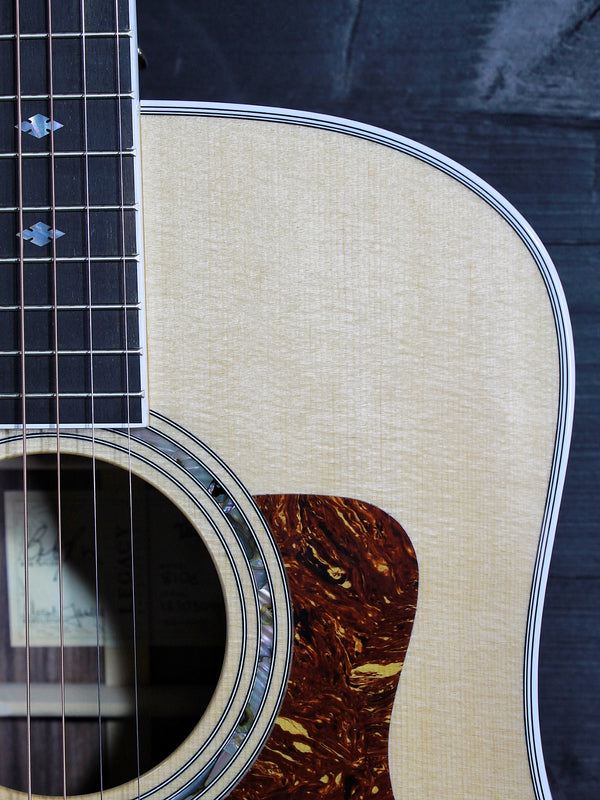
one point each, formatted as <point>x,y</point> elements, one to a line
<point>511,89</point>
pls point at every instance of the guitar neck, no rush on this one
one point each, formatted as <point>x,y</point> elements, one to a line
<point>70,292</point>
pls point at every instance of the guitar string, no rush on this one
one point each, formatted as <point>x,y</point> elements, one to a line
<point>127,377</point>
<point>17,9</point>
<point>59,503</point>
<point>92,404</point>
<point>56,378</point>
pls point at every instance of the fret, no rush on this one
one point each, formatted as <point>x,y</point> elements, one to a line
<point>69,35</point>
<point>74,371</point>
<point>110,401</point>
<point>60,307</point>
<point>107,236</point>
<point>59,259</point>
<point>66,17</point>
<point>67,68</point>
<point>110,183</point>
<point>33,209</point>
<point>112,330</point>
<point>81,352</point>
<point>74,411</point>
<point>65,154</point>
<point>98,16</point>
<point>74,375</point>
<point>103,124</point>
<point>72,96</point>
<point>73,394</point>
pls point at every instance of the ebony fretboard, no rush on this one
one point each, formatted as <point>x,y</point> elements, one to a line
<point>69,221</point>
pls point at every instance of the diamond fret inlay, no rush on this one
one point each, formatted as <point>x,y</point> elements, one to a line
<point>39,126</point>
<point>41,234</point>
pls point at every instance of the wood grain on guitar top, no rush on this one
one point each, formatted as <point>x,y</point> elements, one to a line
<point>340,319</point>
<point>353,578</point>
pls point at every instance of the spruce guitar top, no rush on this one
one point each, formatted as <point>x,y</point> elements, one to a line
<point>286,403</point>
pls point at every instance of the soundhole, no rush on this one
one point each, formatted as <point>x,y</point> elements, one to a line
<point>143,636</point>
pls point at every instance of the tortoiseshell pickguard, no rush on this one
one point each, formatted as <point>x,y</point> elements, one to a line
<point>353,577</point>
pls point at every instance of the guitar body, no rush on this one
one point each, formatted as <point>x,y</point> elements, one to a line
<point>360,372</point>
<point>340,312</point>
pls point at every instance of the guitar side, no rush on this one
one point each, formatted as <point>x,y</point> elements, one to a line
<point>354,316</point>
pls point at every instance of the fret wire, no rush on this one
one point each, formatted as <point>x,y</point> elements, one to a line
<point>31,209</point>
<point>50,426</point>
<point>69,35</point>
<point>78,96</point>
<point>60,259</point>
<point>71,153</point>
<point>88,352</point>
<point>81,307</point>
<point>13,396</point>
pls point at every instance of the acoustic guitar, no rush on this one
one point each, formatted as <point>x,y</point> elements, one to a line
<point>277,507</point>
